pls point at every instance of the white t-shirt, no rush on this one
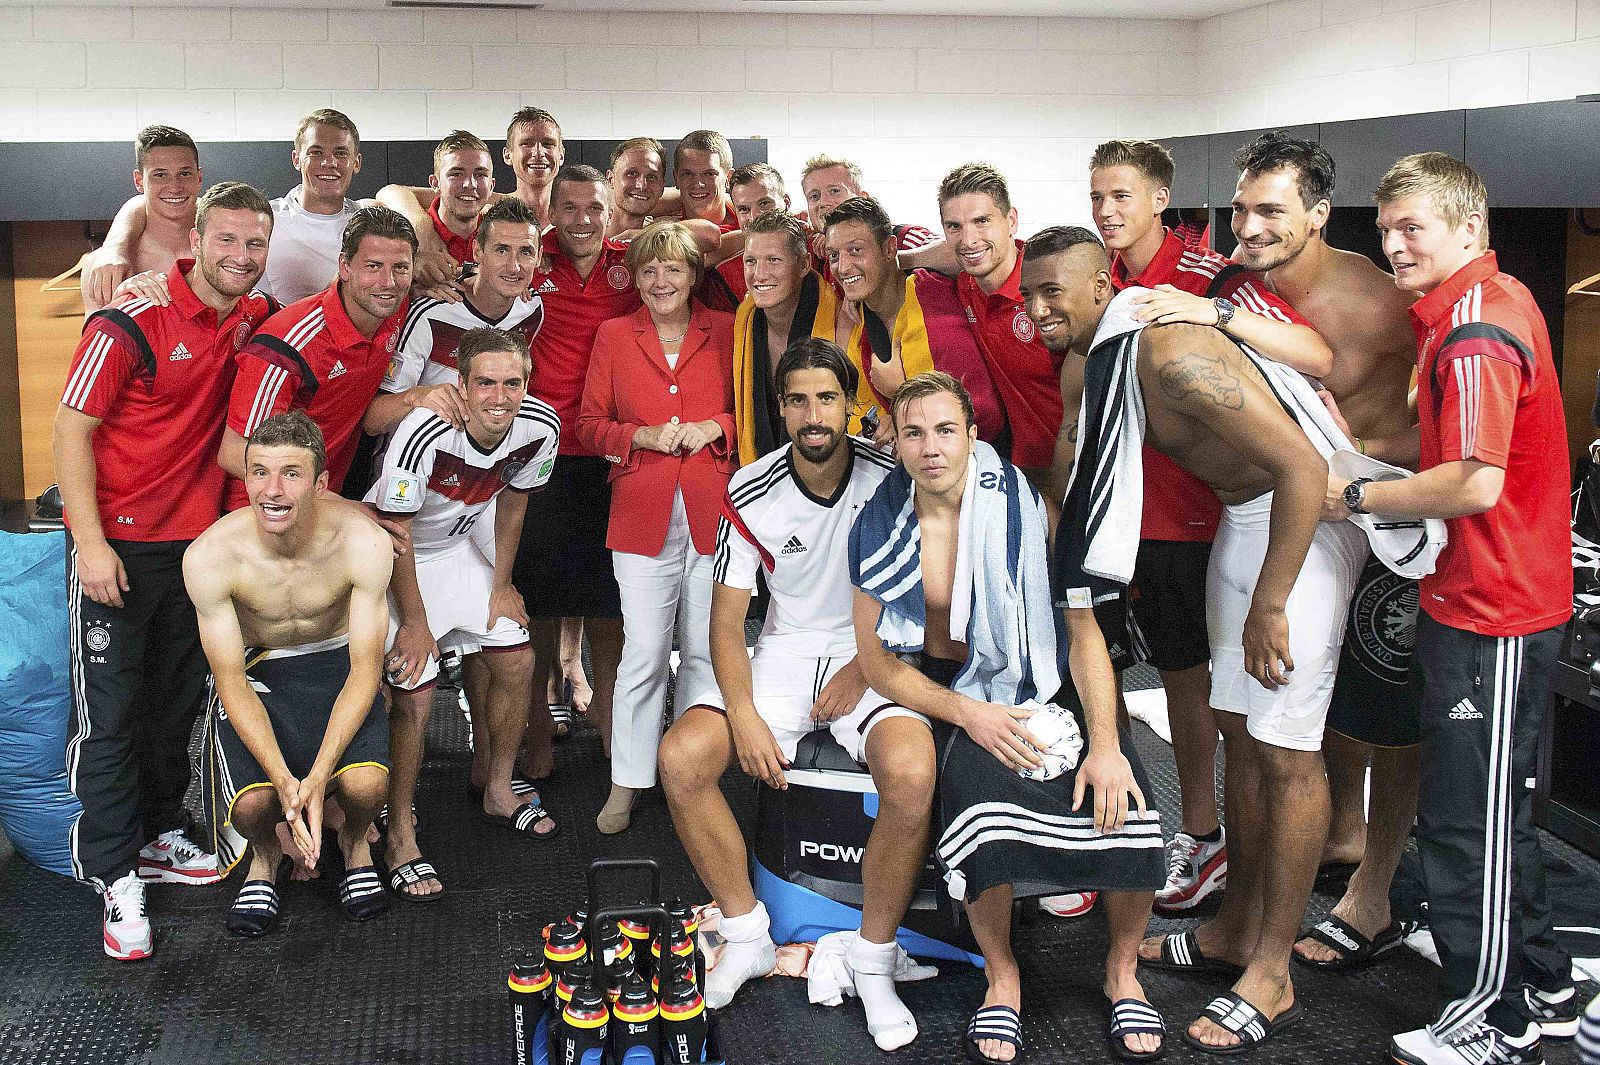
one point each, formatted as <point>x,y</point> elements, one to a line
<point>426,352</point>
<point>439,473</point>
<point>771,520</point>
<point>304,253</point>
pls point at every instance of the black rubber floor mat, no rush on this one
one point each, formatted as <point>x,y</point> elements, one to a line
<point>425,985</point>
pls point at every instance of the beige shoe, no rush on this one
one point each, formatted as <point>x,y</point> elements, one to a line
<point>617,814</point>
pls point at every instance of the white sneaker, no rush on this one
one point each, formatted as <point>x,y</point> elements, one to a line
<point>126,928</point>
<point>1476,1044</point>
<point>172,859</point>
<point>1195,869</point>
<point>1072,904</point>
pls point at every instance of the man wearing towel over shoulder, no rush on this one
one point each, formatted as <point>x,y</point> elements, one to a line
<point>950,563</point>
<point>1276,588</point>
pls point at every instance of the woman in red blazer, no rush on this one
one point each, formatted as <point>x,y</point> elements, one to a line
<point>658,402</point>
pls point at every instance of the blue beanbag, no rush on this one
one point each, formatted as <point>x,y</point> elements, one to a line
<point>36,806</point>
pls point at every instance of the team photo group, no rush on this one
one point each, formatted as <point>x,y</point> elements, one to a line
<point>556,445</point>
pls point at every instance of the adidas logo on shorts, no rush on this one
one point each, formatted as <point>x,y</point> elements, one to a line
<point>1465,711</point>
<point>793,547</point>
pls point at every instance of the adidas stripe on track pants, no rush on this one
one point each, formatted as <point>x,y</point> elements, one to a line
<point>1484,702</point>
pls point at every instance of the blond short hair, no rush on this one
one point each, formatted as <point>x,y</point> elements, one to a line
<point>974,178</point>
<point>647,143</point>
<point>704,140</point>
<point>828,162</point>
<point>667,241</point>
<point>1454,188</point>
<point>1149,158</point>
<point>457,140</point>
<point>327,116</point>
<point>931,383</point>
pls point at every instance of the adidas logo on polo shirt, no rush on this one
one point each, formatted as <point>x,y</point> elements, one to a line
<point>180,352</point>
<point>338,368</point>
<point>548,286</point>
<point>1465,711</point>
<point>793,547</point>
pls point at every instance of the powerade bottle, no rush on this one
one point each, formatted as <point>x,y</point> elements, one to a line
<point>638,934</point>
<point>530,984</point>
<point>564,948</point>
<point>635,1024</point>
<point>680,944</point>
<point>683,1021</point>
<point>680,912</point>
<point>683,966</point>
<point>582,1038</point>
<point>618,967</point>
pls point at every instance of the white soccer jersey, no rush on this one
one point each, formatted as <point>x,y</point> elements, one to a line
<point>426,352</point>
<point>439,474</point>
<point>770,519</point>
<point>304,256</point>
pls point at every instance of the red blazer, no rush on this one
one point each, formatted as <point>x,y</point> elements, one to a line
<point>630,385</point>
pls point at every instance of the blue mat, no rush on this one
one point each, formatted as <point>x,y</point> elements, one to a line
<point>36,806</point>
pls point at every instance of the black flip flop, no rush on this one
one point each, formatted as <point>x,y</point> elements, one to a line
<point>1130,1016</point>
<point>1001,1023</point>
<point>1355,950</point>
<point>361,893</point>
<point>524,819</point>
<point>255,911</point>
<point>1234,1014</point>
<point>1180,953</point>
<point>415,871</point>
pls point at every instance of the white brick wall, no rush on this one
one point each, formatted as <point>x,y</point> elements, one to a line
<point>907,96</point>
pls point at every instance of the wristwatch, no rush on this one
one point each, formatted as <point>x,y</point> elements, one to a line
<point>1355,493</point>
<point>1225,309</point>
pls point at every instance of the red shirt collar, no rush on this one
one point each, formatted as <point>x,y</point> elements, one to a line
<point>1435,307</point>
<point>552,247</point>
<point>451,238</point>
<point>183,297</point>
<point>1160,269</point>
<point>341,328</point>
<point>1010,290</point>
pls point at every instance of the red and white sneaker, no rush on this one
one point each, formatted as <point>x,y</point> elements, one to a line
<point>172,859</point>
<point>126,928</point>
<point>1195,869</point>
<point>1072,904</point>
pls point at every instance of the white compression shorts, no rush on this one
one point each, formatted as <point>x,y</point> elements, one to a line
<point>785,687</point>
<point>455,591</point>
<point>1292,716</point>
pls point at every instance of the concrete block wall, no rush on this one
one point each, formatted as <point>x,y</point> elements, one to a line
<point>905,96</point>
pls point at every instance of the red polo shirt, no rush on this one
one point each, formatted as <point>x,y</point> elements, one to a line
<point>1177,504</point>
<point>462,249</point>
<point>1025,373</point>
<point>158,380</point>
<point>1487,390</point>
<point>310,356</point>
<point>574,307</point>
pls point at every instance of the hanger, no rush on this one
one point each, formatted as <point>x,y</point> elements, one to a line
<point>1586,287</point>
<point>55,283</point>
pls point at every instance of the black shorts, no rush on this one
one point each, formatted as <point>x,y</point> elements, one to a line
<point>1375,696</point>
<point>298,686</point>
<point>563,567</point>
<point>1161,617</point>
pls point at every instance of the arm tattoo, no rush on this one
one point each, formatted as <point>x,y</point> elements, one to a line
<point>1204,375</point>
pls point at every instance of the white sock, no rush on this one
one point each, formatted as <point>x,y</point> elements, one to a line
<point>748,953</point>
<point>872,964</point>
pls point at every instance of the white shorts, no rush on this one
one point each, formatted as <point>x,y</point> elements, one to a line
<point>455,590</point>
<point>1292,716</point>
<point>785,687</point>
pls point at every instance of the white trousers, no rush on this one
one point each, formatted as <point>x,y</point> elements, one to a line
<point>674,586</point>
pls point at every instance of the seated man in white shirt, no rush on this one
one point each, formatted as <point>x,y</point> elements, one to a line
<point>791,513</point>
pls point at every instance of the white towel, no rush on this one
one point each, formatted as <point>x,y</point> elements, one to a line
<point>829,979</point>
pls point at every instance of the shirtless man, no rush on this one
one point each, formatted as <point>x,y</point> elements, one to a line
<point>637,182</point>
<point>152,229</point>
<point>1277,588</point>
<point>1279,211</point>
<point>291,600</point>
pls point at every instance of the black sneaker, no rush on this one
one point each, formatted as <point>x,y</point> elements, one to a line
<point>1480,1043</point>
<point>1555,1012</point>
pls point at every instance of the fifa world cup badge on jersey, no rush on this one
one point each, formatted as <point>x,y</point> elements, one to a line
<point>402,492</point>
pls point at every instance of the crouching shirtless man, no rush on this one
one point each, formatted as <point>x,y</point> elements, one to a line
<point>291,598</point>
<point>790,512</point>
